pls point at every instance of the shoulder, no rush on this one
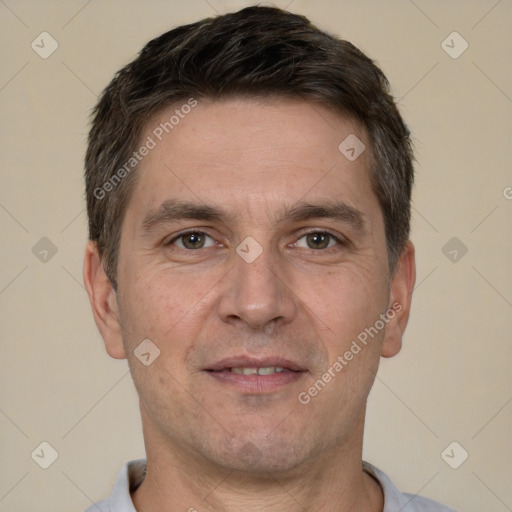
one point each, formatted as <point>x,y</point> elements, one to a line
<point>101,506</point>
<point>395,500</point>
<point>417,503</point>
<point>128,479</point>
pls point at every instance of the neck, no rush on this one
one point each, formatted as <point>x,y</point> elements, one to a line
<point>179,479</point>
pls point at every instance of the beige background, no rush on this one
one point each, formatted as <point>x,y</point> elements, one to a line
<point>452,381</point>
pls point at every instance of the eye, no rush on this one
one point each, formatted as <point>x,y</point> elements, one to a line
<point>317,240</point>
<point>193,240</point>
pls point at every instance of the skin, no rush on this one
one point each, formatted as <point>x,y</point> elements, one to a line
<point>212,445</point>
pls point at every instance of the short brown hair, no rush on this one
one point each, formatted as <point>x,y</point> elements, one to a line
<point>257,51</point>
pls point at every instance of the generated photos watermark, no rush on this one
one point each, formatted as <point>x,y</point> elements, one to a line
<point>150,143</point>
<point>305,397</point>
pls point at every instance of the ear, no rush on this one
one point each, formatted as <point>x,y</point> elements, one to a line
<point>103,302</point>
<point>402,285</point>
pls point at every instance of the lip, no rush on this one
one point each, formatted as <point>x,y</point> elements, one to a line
<point>255,362</point>
<point>255,384</point>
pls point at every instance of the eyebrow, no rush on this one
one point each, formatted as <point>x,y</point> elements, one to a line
<point>336,210</point>
<point>174,210</point>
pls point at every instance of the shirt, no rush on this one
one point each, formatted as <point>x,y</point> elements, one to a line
<point>132,475</point>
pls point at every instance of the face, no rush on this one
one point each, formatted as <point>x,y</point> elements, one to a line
<point>253,255</point>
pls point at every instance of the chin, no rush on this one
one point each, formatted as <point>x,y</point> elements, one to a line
<point>261,457</point>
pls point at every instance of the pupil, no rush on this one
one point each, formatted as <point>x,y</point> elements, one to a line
<point>193,240</point>
<point>317,240</point>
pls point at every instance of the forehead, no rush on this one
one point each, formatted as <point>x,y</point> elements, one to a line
<point>250,152</point>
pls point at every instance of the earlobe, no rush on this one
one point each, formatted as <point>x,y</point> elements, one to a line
<point>402,286</point>
<point>102,297</point>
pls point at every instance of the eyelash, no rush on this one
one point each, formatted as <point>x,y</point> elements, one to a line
<point>339,242</point>
<point>185,233</point>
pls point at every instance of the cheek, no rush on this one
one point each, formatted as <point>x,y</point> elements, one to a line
<point>165,311</point>
<point>350,301</point>
<point>347,300</point>
<point>164,307</point>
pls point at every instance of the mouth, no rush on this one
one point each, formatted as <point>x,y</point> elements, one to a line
<point>267,370</point>
<point>256,376</point>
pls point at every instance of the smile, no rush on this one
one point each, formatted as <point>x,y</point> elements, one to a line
<point>268,370</point>
<point>253,376</point>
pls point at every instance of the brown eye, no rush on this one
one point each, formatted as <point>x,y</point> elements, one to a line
<point>317,240</point>
<point>193,240</point>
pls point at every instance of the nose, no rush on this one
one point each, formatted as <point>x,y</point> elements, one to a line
<point>256,293</point>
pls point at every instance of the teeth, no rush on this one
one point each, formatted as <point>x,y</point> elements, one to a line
<point>269,370</point>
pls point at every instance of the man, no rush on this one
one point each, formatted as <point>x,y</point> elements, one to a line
<point>248,188</point>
